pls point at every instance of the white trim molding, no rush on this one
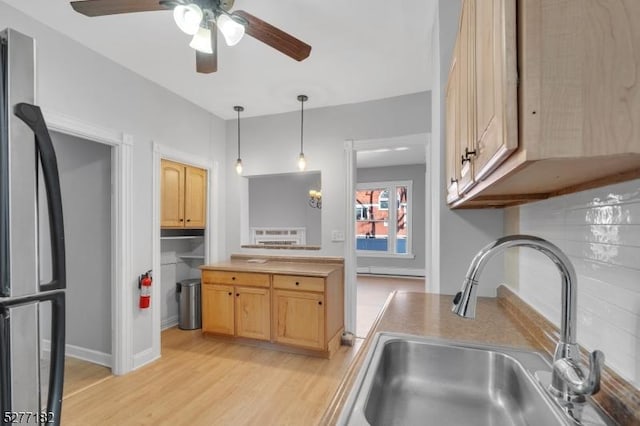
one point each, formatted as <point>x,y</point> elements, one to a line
<point>350,260</point>
<point>212,234</point>
<point>78,352</point>
<point>121,360</point>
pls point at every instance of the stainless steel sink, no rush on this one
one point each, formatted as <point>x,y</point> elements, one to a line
<point>410,380</point>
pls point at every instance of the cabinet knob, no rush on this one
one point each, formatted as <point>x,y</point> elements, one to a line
<point>319,303</point>
<point>188,220</point>
<point>230,293</point>
<point>237,294</point>
<point>233,278</point>
<point>297,283</point>
<point>181,220</point>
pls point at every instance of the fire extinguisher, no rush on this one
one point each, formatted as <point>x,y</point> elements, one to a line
<point>144,284</point>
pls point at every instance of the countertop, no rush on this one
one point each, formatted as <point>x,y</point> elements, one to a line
<point>312,269</point>
<point>430,315</point>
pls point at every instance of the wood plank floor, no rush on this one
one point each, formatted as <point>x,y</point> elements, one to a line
<point>79,375</point>
<point>205,381</point>
<point>373,292</point>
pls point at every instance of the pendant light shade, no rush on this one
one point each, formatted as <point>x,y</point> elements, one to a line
<point>188,18</point>
<point>238,109</point>
<point>202,41</point>
<point>230,29</point>
<point>302,162</point>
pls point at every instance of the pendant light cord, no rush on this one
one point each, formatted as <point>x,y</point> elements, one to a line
<point>238,132</point>
<point>302,126</point>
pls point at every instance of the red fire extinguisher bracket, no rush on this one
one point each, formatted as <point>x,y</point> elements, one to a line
<point>144,285</point>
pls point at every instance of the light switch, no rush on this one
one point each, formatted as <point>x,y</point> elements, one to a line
<point>337,236</point>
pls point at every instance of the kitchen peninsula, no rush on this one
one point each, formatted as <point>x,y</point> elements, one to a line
<point>294,304</point>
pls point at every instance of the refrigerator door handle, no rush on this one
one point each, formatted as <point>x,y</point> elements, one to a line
<point>56,370</point>
<point>32,116</point>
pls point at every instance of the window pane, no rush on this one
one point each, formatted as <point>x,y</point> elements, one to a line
<point>402,228</point>
<point>372,228</point>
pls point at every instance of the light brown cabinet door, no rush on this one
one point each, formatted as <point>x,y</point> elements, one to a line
<point>253,310</point>
<point>496,102</point>
<point>172,178</point>
<point>298,318</point>
<point>466,98</point>
<point>452,111</point>
<point>195,202</point>
<point>217,309</point>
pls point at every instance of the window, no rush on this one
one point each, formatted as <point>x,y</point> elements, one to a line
<point>375,233</point>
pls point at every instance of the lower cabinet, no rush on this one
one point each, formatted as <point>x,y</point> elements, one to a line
<point>252,313</point>
<point>236,311</point>
<point>298,318</point>
<point>303,313</point>
<point>217,309</point>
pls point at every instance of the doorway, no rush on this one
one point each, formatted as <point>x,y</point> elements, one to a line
<point>86,180</point>
<point>389,222</point>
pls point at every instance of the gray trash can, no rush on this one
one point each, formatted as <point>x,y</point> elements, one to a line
<point>189,305</point>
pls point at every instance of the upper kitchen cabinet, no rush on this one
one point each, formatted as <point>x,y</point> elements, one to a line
<point>184,195</point>
<point>569,121</point>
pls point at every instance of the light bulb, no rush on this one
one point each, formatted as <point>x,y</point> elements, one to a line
<point>230,29</point>
<point>302,163</point>
<point>188,18</point>
<point>239,166</point>
<point>202,41</point>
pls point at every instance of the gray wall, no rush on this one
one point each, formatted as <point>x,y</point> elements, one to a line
<point>282,201</point>
<point>85,180</point>
<point>78,82</point>
<point>462,232</point>
<point>271,144</point>
<point>416,174</point>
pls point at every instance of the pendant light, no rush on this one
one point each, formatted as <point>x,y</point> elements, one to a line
<point>302,162</point>
<point>188,18</point>
<point>238,109</point>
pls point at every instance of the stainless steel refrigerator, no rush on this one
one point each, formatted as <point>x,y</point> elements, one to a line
<point>27,395</point>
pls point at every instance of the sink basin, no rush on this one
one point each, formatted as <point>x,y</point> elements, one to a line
<point>408,380</point>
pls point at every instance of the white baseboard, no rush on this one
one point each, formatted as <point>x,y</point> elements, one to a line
<point>143,358</point>
<point>169,322</point>
<point>78,352</point>
<point>382,270</point>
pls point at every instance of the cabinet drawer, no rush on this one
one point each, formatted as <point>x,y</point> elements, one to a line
<point>239,278</point>
<point>294,282</point>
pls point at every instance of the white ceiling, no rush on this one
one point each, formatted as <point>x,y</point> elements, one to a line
<point>398,151</point>
<point>362,50</point>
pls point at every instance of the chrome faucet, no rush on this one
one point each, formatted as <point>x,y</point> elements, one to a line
<point>569,382</point>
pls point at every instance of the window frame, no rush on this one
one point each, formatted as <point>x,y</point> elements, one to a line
<point>392,238</point>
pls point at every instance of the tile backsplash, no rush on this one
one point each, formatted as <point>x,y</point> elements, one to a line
<point>599,230</point>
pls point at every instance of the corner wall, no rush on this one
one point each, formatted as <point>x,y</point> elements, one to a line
<point>78,82</point>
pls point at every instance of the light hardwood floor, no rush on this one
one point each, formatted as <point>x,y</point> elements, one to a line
<point>373,292</point>
<point>79,375</point>
<point>206,381</point>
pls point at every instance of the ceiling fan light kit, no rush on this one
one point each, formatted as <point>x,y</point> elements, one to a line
<point>201,41</point>
<point>188,18</point>
<point>202,18</point>
<point>231,30</point>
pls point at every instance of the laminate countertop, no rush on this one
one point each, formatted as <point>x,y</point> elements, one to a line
<point>312,269</point>
<point>430,315</point>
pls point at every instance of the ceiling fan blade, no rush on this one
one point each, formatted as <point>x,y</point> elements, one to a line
<point>274,37</point>
<point>113,7</point>
<point>208,63</point>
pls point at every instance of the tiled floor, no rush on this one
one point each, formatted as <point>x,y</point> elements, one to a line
<point>372,294</point>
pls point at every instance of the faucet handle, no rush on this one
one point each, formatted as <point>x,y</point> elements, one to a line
<point>573,375</point>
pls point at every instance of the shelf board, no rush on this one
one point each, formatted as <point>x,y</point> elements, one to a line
<point>190,256</point>
<point>182,237</point>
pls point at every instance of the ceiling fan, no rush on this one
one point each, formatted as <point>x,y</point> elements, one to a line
<point>202,19</point>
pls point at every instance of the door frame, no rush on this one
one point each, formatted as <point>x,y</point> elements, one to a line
<point>212,230</point>
<point>121,213</point>
<point>432,223</point>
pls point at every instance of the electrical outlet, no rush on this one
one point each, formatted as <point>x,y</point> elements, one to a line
<point>337,236</point>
